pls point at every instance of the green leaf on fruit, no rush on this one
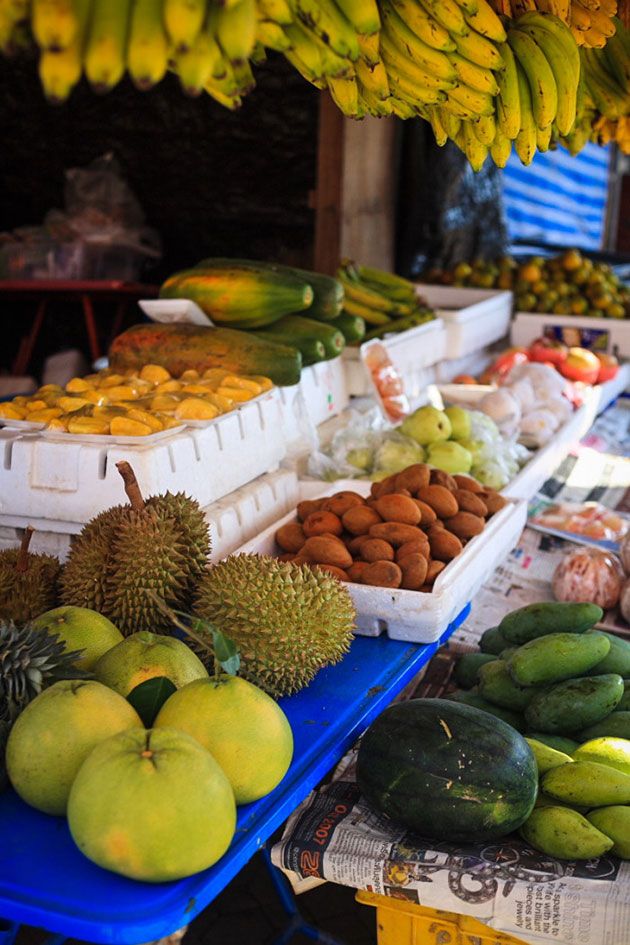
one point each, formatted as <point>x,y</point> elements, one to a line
<point>149,697</point>
<point>226,652</point>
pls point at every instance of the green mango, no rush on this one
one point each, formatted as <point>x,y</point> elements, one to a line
<point>537,620</point>
<point>624,705</point>
<point>546,757</point>
<point>468,666</point>
<point>617,660</point>
<point>564,833</point>
<point>614,752</point>
<point>497,686</point>
<point>472,697</point>
<point>587,783</point>
<point>565,745</point>
<point>574,704</point>
<point>615,823</point>
<point>617,725</point>
<point>492,641</point>
<point>543,801</point>
<point>507,652</point>
<point>557,656</point>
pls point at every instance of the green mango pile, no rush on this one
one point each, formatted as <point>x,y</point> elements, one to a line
<point>547,672</point>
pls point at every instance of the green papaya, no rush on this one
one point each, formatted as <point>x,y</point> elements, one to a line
<point>546,757</point>
<point>614,752</point>
<point>587,783</point>
<point>468,665</point>
<point>617,660</point>
<point>614,822</point>
<point>352,327</point>
<point>470,697</point>
<point>616,725</point>
<point>565,745</point>
<point>492,641</point>
<point>574,704</point>
<point>624,705</point>
<point>497,686</point>
<point>564,833</point>
<point>537,620</point>
<point>557,656</point>
<point>293,328</point>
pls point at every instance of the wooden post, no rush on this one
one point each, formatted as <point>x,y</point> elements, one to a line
<point>327,199</point>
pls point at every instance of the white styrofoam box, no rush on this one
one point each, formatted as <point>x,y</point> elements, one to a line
<point>42,542</point>
<point>608,392</point>
<point>412,615</point>
<point>174,310</point>
<point>474,318</point>
<point>321,394</point>
<point>65,482</point>
<point>473,364</point>
<point>574,330</point>
<point>412,352</point>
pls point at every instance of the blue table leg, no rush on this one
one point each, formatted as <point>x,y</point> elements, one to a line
<point>8,931</point>
<point>296,923</point>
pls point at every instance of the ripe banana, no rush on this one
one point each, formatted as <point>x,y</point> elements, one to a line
<point>272,35</point>
<point>369,47</point>
<point>397,64</point>
<point>106,44</point>
<point>479,50</point>
<point>54,23</point>
<point>543,138</point>
<point>363,15</point>
<point>278,11</point>
<point>448,14</point>
<point>618,58</point>
<point>345,94</point>
<point>477,77</point>
<point>413,92</point>
<point>475,150</point>
<point>326,20</point>
<point>485,129</point>
<point>478,103</point>
<point>373,105</point>
<point>539,75</point>
<point>373,80</point>
<point>525,141</point>
<point>486,22</point>
<point>183,20</point>
<point>236,30</point>
<point>580,17</point>
<point>500,149</point>
<point>147,49</point>
<point>200,63</point>
<point>508,103</point>
<point>439,131</point>
<point>411,46</point>
<point>564,60</point>
<point>423,25</point>
<point>469,6</point>
<point>60,71</point>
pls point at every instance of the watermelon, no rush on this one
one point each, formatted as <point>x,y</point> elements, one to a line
<point>447,770</point>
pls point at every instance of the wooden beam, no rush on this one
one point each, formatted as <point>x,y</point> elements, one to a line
<point>328,197</point>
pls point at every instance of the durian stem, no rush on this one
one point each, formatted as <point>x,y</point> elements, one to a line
<point>131,485</point>
<point>22,561</point>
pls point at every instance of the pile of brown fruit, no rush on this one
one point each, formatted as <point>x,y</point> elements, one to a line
<point>402,535</point>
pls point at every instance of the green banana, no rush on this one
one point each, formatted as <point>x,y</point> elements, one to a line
<point>183,20</point>
<point>388,283</point>
<point>525,142</point>
<point>370,315</point>
<point>147,49</point>
<point>508,102</point>
<point>363,15</point>
<point>106,43</point>
<point>236,30</point>
<point>357,292</point>
<point>544,94</point>
<point>325,19</point>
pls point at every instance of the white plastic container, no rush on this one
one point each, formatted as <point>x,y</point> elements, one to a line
<point>411,615</point>
<point>63,482</point>
<point>411,352</point>
<point>610,334</point>
<point>321,394</point>
<point>474,318</point>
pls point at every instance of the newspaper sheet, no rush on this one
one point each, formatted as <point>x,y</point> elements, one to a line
<point>509,886</point>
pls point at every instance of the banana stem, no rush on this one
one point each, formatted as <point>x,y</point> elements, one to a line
<point>131,485</point>
<point>22,561</point>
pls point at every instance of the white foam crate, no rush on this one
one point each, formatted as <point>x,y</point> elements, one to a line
<point>605,394</point>
<point>412,352</point>
<point>235,519</point>
<point>64,482</point>
<point>412,615</point>
<point>321,394</point>
<point>574,330</point>
<point>474,318</point>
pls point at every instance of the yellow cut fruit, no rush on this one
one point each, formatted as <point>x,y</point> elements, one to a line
<point>189,375</point>
<point>145,417</point>
<point>91,425</point>
<point>154,373</point>
<point>194,408</point>
<point>234,393</point>
<point>166,387</point>
<point>121,392</point>
<point>195,389</point>
<point>70,404</point>
<point>123,426</point>
<point>215,376</point>
<point>98,397</point>
<point>43,416</point>
<point>20,401</point>
<point>224,404</point>
<point>168,422</point>
<point>165,402</point>
<point>107,412</point>
<point>49,389</point>
<point>77,385</point>
<point>241,383</point>
<point>32,405</point>
<point>113,380</point>
<point>57,424</point>
<point>265,382</point>
<point>11,412</point>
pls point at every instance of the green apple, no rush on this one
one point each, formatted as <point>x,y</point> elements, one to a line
<point>477,449</point>
<point>450,456</point>
<point>427,425</point>
<point>361,458</point>
<point>460,422</point>
<point>81,629</point>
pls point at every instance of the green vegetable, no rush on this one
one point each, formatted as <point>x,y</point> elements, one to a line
<point>468,666</point>
<point>537,620</point>
<point>497,686</point>
<point>572,705</point>
<point>492,641</point>
<point>471,697</point>
<point>352,327</point>
<point>557,656</point>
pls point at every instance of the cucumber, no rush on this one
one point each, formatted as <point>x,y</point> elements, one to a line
<point>294,327</point>
<point>352,327</point>
<point>312,349</point>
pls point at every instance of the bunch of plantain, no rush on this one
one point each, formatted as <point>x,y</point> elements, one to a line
<point>387,303</point>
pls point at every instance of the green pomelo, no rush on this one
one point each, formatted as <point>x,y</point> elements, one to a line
<point>145,655</point>
<point>152,805</point>
<point>81,629</point>
<point>240,725</point>
<point>54,735</point>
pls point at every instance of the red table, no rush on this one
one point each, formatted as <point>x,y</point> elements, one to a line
<point>85,293</point>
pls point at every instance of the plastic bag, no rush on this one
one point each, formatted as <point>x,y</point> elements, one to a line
<point>352,449</point>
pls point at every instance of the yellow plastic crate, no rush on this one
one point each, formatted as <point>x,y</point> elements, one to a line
<point>405,923</point>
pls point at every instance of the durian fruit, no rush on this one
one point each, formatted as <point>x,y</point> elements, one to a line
<point>132,557</point>
<point>287,620</point>
<point>28,582</point>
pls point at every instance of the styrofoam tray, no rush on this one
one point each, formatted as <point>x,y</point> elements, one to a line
<point>174,310</point>
<point>411,615</point>
<point>106,439</point>
<point>411,352</point>
<point>28,426</point>
<point>474,318</point>
<point>604,334</point>
<point>67,481</point>
<point>322,393</point>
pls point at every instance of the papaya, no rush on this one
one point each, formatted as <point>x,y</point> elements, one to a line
<point>587,783</point>
<point>565,745</point>
<point>497,686</point>
<point>293,329</point>
<point>546,757</point>
<point>537,620</point>
<point>564,833</point>
<point>624,705</point>
<point>557,656</point>
<point>614,752</point>
<point>571,705</point>
<point>617,660</point>
<point>492,641</point>
<point>468,665</point>
<point>352,327</point>
<point>616,725</point>
<point>471,697</point>
<point>614,822</point>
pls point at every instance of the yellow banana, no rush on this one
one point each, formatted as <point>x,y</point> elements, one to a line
<point>472,6</point>
<point>609,7</point>
<point>60,71</point>
<point>458,109</point>
<point>411,46</point>
<point>602,22</point>
<point>363,15</point>
<point>508,102</point>
<point>560,51</point>
<point>479,50</point>
<point>486,22</point>
<point>374,80</point>
<point>272,35</point>
<point>477,77</point>
<point>580,17</point>
<point>398,64</point>
<point>297,63</point>
<point>369,47</point>
<point>449,121</point>
<point>402,110</point>
<point>439,130</point>
<point>525,141</point>
<point>278,11</point>
<point>485,129</point>
<point>378,107</point>
<point>479,103</point>
<point>475,150</point>
<point>236,30</point>
<point>591,5</point>
<point>345,94</point>
<point>319,57</point>
<point>413,92</point>
<point>214,88</point>
<point>325,19</point>
<point>105,51</point>
<point>448,14</point>
<point>539,75</point>
<point>500,149</point>
<point>54,23</point>
<point>183,20</point>
<point>147,49</point>
<point>199,63</point>
<point>594,38</point>
<point>423,25</point>
<point>543,138</point>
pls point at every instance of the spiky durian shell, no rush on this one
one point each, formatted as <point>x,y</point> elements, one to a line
<point>194,528</point>
<point>25,595</point>
<point>85,576</point>
<point>286,619</point>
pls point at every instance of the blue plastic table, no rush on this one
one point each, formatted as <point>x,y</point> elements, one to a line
<point>46,882</point>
